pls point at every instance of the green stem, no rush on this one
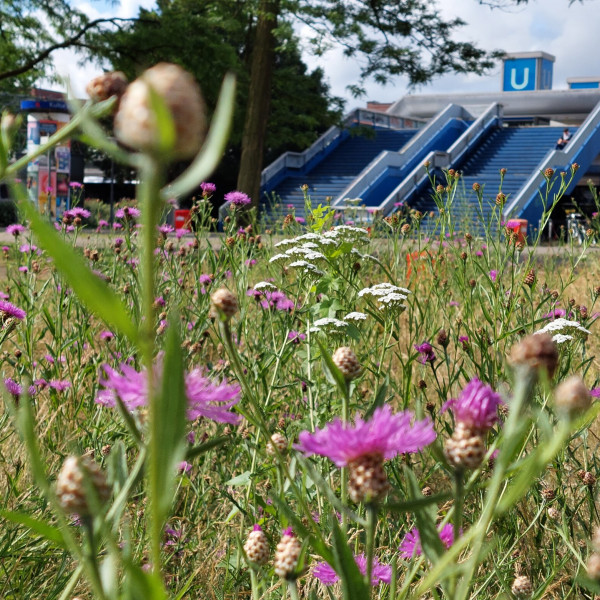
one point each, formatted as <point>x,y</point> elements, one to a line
<point>254,584</point>
<point>293,589</point>
<point>151,176</point>
<point>371,526</point>
<point>459,497</point>
<point>91,559</point>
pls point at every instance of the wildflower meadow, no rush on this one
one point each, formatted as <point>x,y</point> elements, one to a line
<point>329,406</point>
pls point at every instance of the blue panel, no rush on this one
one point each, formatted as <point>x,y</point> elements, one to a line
<point>546,75</point>
<point>519,74</point>
<point>584,85</point>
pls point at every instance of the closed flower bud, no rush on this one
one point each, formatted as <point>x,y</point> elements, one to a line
<point>278,442</point>
<point>466,448</point>
<point>106,85</point>
<point>536,352</point>
<point>521,587</point>
<point>476,187</point>
<point>224,303</point>
<point>71,486</point>
<point>442,338</point>
<point>548,173</point>
<point>548,494</point>
<point>593,566</point>
<point>257,546</point>
<point>345,360</point>
<point>405,228</point>
<point>529,278</point>
<point>572,396</point>
<point>136,123</point>
<point>500,199</point>
<point>287,555</point>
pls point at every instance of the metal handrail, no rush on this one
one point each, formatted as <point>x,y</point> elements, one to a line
<point>552,158</point>
<point>390,159</point>
<point>360,116</point>
<point>443,160</point>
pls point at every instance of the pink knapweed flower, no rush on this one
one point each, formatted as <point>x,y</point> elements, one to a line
<point>426,351</point>
<point>493,275</point>
<point>16,229</point>
<point>411,544</point>
<point>128,212</point>
<point>386,434</point>
<point>237,198</point>
<point>60,385</point>
<point>206,398</point>
<point>208,188</point>
<point>476,407</point>
<point>9,310</point>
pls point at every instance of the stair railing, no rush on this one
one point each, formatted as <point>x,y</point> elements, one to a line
<point>359,116</point>
<point>390,159</point>
<point>534,184</point>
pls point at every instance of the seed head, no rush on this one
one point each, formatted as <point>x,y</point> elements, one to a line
<point>257,546</point>
<point>136,123</point>
<point>345,360</point>
<point>572,396</point>
<point>548,494</point>
<point>554,513</point>
<point>427,491</point>
<point>587,478</point>
<point>521,587</point>
<point>500,199</point>
<point>286,555</point>
<point>70,484</point>
<point>536,352</point>
<point>224,303</point>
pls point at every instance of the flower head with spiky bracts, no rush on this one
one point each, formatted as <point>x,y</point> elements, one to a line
<point>476,407</point>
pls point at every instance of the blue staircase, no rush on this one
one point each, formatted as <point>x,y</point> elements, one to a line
<point>519,150</point>
<point>338,169</point>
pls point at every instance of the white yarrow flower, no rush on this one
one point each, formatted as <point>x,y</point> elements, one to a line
<point>355,316</point>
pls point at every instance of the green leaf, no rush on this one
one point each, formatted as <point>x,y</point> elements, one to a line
<point>90,289</point>
<point>168,424</point>
<point>142,585</point>
<point>50,533</point>
<point>353,584</point>
<point>164,121</point>
<point>242,479</point>
<point>202,448</point>
<point>425,515</point>
<point>209,156</point>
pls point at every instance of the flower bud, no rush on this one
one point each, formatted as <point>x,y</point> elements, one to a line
<point>466,448</point>
<point>345,360</point>
<point>70,484</point>
<point>257,546</point>
<point>537,352</point>
<point>572,396</point>
<point>106,85</point>
<point>277,441</point>
<point>287,555</point>
<point>224,303</point>
<point>136,124</point>
<point>521,587</point>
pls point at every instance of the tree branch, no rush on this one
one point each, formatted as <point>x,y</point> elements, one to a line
<point>72,41</point>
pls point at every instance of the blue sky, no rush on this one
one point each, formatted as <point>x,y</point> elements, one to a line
<point>569,33</point>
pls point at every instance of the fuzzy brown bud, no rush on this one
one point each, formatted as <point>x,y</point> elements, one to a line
<point>278,443</point>
<point>106,85</point>
<point>522,587</point>
<point>536,352</point>
<point>466,448</point>
<point>286,556</point>
<point>529,278</point>
<point>71,487</point>
<point>224,303</point>
<point>572,396</point>
<point>345,360</point>
<point>136,124</point>
<point>256,547</point>
<point>442,338</point>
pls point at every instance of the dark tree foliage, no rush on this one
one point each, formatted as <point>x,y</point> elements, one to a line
<point>211,38</point>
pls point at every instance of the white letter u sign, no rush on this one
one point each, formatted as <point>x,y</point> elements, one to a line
<point>513,79</point>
